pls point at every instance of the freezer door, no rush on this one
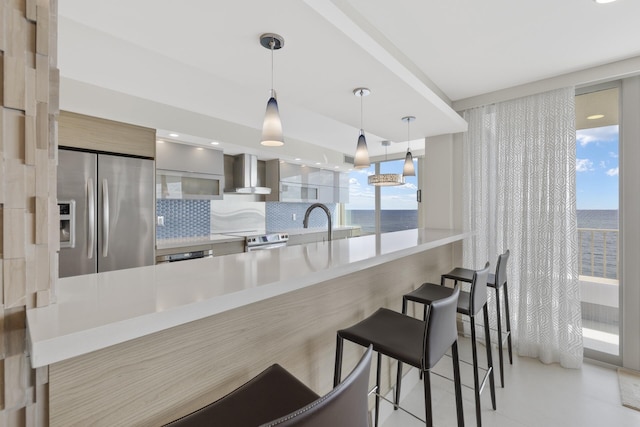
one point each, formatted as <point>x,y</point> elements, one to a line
<point>126,212</point>
<point>77,174</point>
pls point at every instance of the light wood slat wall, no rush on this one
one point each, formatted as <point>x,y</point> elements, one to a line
<point>28,210</point>
<point>155,379</point>
<point>93,133</point>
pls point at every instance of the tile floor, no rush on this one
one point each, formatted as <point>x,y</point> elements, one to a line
<point>535,395</point>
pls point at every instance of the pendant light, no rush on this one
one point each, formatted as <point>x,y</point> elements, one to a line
<point>386,179</point>
<point>361,159</point>
<point>409,169</point>
<point>272,126</point>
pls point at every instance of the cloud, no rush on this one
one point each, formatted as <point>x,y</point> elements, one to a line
<point>612,154</point>
<point>595,135</point>
<point>410,186</point>
<point>354,181</point>
<point>612,172</point>
<point>602,164</point>
<point>584,165</point>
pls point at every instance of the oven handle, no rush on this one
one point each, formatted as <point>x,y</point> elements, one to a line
<point>265,247</point>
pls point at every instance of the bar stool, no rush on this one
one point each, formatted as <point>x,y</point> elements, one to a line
<point>408,340</point>
<point>470,303</point>
<point>496,281</point>
<point>276,398</point>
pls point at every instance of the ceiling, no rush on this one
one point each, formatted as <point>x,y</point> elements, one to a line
<point>196,67</point>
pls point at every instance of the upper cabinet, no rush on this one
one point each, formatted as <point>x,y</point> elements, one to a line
<point>188,172</point>
<point>93,133</point>
<point>296,183</point>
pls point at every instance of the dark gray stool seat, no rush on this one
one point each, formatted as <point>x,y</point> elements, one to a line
<point>276,398</point>
<point>408,340</point>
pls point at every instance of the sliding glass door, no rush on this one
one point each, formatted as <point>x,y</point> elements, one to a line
<point>597,201</point>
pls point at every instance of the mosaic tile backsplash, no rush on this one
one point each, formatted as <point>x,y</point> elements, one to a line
<point>183,218</point>
<point>279,216</point>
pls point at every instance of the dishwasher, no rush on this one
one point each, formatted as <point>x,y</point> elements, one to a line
<point>183,256</point>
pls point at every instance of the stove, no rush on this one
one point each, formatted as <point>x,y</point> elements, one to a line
<point>255,240</point>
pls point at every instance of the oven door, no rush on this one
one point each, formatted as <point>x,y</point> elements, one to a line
<point>265,247</point>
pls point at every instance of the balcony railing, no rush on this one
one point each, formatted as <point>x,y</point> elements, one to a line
<point>598,252</point>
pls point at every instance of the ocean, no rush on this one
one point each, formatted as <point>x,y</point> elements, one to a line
<point>598,242</point>
<point>597,235</point>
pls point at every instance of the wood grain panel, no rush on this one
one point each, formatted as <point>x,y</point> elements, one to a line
<point>155,379</point>
<point>23,91</point>
<point>80,131</point>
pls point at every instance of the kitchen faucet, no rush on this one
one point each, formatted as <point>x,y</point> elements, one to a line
<point>305,222</point>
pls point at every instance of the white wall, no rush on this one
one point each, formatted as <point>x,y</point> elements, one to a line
<point>440,181</point>
<point>630,221</point>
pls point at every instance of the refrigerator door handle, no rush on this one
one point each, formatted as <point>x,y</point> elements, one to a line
<point>105,218</point>
<point>91,217</point>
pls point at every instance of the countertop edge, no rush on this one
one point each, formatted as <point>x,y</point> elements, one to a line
<point>49,351</point>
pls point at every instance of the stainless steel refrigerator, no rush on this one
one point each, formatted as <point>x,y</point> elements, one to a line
<point>107,212</point>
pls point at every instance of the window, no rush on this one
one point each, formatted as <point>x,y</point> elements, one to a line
<point>597,190</point>
<point>398,204</point>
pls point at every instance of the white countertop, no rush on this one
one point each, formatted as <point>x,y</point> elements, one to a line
<point>96,311</point>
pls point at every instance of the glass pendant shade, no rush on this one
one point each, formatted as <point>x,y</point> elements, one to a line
<point>361,159</point>
<point>386,179</point>
<point>408,169</point>
<point>272,126</point>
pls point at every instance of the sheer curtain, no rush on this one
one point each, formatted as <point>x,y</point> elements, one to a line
<point>519,194</point>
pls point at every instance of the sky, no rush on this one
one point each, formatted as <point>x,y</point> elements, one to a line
<point>597,168</point>
<point>362,195</point>
<point>596,176</point>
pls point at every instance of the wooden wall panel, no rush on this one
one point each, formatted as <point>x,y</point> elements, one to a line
<point>92,133</point>
<point>155,379</point>
<point>28,230</point>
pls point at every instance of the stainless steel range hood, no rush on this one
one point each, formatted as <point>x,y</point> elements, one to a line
<point>245,175</point>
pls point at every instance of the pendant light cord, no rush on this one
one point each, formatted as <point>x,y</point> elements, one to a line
<point>272,44</point>
<point>408,134</point>
<point>361,110</point>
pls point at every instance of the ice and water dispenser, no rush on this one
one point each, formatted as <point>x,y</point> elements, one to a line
<point>67,223</point>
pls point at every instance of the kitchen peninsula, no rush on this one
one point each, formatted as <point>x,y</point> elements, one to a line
<point>149,344</point>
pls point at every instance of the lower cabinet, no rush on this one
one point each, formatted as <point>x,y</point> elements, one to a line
<point>219,249</point>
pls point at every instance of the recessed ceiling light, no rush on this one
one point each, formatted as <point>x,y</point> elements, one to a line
<point>318,163</point>
<point>297,159</point>
<point>336,167</point>
<point>159,141</point>
<point>595,116</point>
<point>215,143</point>
<point>200,148</point>
<point>604,1</point>
<point>174,135</point>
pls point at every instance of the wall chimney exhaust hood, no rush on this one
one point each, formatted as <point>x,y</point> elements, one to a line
<point>245,176</point>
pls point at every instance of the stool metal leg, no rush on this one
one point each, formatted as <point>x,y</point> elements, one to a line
<point>399,375</point>
<point>476,379</point>
<point>378,371</point>
<point>458,383</point>
<point>506,309</point>
<point>498,309</point>
<point>338,366</point>
<point>487,335</point>
<point>427,398</point>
